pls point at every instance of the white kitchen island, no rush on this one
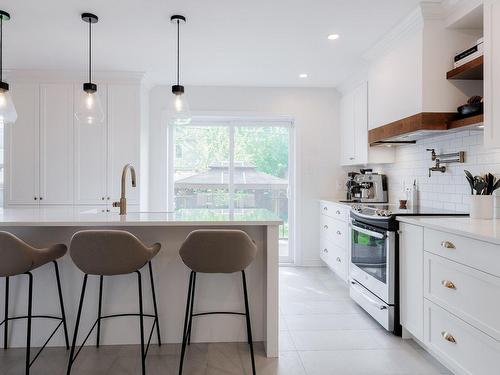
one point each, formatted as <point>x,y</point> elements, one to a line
<point>42,226</point>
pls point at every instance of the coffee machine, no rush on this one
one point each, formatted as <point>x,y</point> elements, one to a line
<point>366,187</point>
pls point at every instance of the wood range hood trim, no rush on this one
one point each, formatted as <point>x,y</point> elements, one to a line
<point>424,121</point>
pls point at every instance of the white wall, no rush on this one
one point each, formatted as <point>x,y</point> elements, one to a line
<point>317,144</point>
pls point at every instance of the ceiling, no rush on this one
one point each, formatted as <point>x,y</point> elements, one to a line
<point>225,42</point>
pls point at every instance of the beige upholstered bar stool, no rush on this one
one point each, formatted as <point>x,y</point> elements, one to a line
<point>19,258</point>
<point>111,253</point>
<point>216,251</point>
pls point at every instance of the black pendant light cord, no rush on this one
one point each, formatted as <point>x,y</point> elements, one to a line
<point>1,49</point>
<point>178,50</point>
<point>90,52</point>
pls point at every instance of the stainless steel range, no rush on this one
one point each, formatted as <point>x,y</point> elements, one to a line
<point>374,278</point>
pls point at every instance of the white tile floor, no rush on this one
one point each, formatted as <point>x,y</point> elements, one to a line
<point>323,332</point>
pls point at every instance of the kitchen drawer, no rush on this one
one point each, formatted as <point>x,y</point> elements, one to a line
<point>335,210</point>
<point>482,255</point>
<point>335,257</point>
<point>471,353</point>
<point>472,295</point>
<point>335,230</point>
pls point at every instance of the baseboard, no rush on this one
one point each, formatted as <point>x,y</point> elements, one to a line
<point>312,263</point>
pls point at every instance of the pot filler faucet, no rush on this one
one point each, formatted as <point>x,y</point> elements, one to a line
<point>454,157</point>
<point>123,199</point>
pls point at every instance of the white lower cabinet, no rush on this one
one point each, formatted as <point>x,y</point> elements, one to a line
<point>449,296</point>
<point>335,237</point>
<point>465,349</point>
<point>411,294</point>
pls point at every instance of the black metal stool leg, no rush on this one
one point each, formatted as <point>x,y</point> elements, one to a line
<point>247,315</point>
<point>28,333</point>
<point>99,310</point>
<point>6,321</point>
<point>61,303</point>
<point>78,316</point>
<point>191,313</point>
<point>186,318</point>
<point>154,303</point>
<point>141,323</point>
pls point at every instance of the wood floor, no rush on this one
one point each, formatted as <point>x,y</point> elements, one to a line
<point>322,333</point>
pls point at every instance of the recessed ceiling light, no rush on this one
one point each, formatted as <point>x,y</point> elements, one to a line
<point>333,36</point>
<point>303,75</point>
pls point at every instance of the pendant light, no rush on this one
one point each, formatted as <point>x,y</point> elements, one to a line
<point>89,109</point>
<point>8,114</point>
<point>178,106</point>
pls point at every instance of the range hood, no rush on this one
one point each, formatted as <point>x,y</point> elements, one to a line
<point>411,129</point>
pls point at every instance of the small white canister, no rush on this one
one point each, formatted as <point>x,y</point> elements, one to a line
<point>481,207</point>
<point>496,204</point>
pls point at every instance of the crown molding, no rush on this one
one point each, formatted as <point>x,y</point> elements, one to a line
<point>50,76</point>
<point>410,25</point>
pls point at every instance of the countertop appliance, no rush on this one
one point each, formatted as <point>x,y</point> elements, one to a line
<point>366,187</point>
<point>374,263</point>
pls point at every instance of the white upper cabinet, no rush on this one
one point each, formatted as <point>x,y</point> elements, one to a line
<point>56,144</point>
<point>21,159</point>
<point>355,149</point>
<point>91,157</point>
<point>124,138</point>
<point>492,73</point>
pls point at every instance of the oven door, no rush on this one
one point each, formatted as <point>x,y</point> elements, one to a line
<point>373,260</point>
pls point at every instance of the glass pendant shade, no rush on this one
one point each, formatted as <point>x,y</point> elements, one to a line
<point>178,110</point>
<point>8,114</point>
<point>89,110</point>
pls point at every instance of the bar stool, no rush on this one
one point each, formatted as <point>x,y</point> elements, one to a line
<point>216,251</point>
<point>18,258</point>
<point>110,253</point>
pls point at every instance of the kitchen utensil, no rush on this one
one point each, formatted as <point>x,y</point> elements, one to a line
<point>470,178</point>
<point>489,183</point>
<point>479,185</point>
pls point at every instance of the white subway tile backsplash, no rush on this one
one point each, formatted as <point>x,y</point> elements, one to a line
<point>443,191</point>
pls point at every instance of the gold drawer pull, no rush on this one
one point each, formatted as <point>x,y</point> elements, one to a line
<point>339,260</point>
<point>325,251</point>
<point>338,212</point>
<point>448,284</point>
<point>447,245</point>
<point>325,208</point>
<point>339,232</point>
<point>325,227</point>
<point>448,337</point>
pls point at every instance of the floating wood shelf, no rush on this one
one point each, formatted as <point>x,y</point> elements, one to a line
<point>404,130</point>
<point>473,70</point>
<point>468,121</point>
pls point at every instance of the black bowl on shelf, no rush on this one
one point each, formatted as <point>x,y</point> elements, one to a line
<point>470,109</point>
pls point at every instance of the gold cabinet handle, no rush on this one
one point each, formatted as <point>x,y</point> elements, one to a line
<point>325,208</point>
<point>325,227</point>
<point>337,212</point>
<point>448,337</point>
<point>339,232</point>
<point>339,260</point>
<point>448,284</point>
<point>325,251</point>
<point>447,245</point>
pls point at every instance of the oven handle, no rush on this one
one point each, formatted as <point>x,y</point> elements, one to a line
<point>357,286</point>
<point>368,232</point>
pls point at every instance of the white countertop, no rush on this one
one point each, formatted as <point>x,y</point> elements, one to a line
<point>88,216</point>
<point>484,230</point>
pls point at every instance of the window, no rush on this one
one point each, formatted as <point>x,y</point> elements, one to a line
<point>234,165</point>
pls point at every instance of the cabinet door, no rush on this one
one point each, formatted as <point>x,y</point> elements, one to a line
<point>91,157</point>
<point>56,144</point>
<point>492,73</point>
<point>21,147</point>
<point>124,133</point>
<point>347,147</point>
<point>411,279</point>
<point>360,121</point>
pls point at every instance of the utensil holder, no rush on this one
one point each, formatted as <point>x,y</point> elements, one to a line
<point>481,207</point>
